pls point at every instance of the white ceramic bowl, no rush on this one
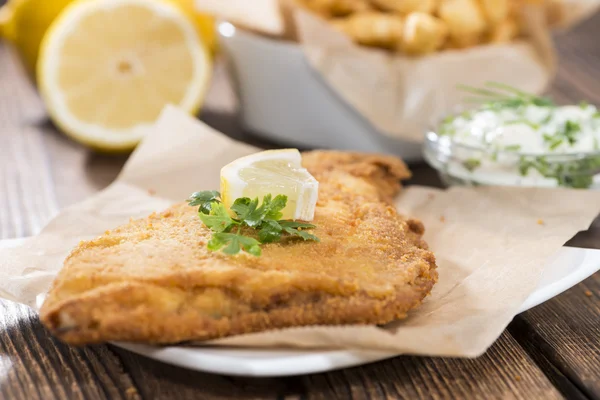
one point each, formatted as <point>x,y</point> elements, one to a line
<point>283,100</point>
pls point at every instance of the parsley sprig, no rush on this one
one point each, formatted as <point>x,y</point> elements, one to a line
<point>247,224</point>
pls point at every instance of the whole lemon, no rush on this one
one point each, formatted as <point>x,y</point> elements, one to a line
<point>24,22</point>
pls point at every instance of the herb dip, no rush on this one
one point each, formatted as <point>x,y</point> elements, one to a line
<point>517,138</point>
<point>528,129</point>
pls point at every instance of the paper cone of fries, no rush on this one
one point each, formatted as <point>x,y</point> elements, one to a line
<point>398,62</point>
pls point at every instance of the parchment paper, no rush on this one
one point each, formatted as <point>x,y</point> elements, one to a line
<point>490,243</point>
<point>401,95</point>
<point>264,16</point>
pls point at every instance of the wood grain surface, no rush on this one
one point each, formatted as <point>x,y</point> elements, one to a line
<point>505,371</point>
<point>551,351</point>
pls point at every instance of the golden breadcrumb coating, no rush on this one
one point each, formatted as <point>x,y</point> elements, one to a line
<point>153,280</point>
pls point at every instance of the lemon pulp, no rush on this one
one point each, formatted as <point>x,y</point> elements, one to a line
<point>108,67</point>
<point>24,22</point>
<point>277,172</point>
<point>130,68</point>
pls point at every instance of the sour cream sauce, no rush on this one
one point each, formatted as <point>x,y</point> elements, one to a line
<point>501,136</point>
<point>529,130</point>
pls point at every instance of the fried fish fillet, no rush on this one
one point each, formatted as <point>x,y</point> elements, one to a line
<point>153,280</point>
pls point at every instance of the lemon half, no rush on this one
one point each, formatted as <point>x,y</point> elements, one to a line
<point>108,67</point>
<point>272,172</point>
<point>24,22</point>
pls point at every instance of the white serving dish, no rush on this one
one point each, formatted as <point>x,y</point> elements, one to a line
<point>567,268</point>
<point>283,100</point>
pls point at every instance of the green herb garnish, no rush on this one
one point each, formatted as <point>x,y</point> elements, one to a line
<point>446,127</point>
<point>577,181</point>
<point>204,199</point>
<point>496,96</point>
<point>570,131</point>
<point>524,165</point>
<point>232,243</point>
<point>513,147</point>
<point>532,125</point>
<point>247,225</point>
<point>552,141</point>
<point>577,174</point>
<point>471,164</point>
<point>546,119</point>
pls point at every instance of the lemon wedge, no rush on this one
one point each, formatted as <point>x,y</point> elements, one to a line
<point>108,67</point>
<point>272,172</point>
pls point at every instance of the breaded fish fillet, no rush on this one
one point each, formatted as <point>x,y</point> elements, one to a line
<point>153,280</point>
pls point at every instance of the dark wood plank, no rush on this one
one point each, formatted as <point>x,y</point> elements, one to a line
<point>564,333</point>
<point>504,372</point>
<point>27,198</point>
<point>156,380</point>
<point>33,365</point>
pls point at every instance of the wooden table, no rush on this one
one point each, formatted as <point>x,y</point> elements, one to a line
<point>548,352</point>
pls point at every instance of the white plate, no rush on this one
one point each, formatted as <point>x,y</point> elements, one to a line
<point>568,267</point>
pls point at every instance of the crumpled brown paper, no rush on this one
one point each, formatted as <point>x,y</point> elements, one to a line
<point>489,243</point>
<point>401,95</point>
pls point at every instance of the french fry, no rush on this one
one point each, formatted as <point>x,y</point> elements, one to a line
<point>335,8</point>
<point>406,6</point>
<point>555,12</point>
<point>465,20</point>
<point>372,28</point>
<point>504,32</point>
<point>495,11</point>
<point>423,34</point>
<point>464,42</point>
<point>423,26</point>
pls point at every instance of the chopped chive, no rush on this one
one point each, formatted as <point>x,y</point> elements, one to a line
<point>471,164</point>
<point>570,129</point>
<point>547,119</point>
<point>508,88</point>
<point>524,165</point>
<point>479,91</point>
<point>556,143</point>
<point>513,147</point>
<point>532,125</point>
